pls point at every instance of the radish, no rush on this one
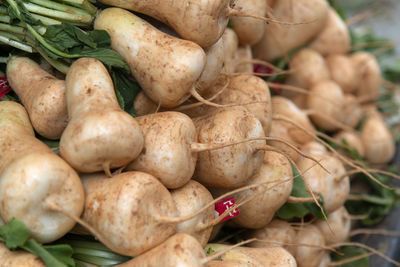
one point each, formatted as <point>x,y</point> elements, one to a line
<point>342,72</point>
<point>42,94</point>
<point>90,142</point>
<point>166,67</point>
<point>337,228</point>
<point>352,139</point>
<point>244,58</point>
<point>144,105</point>
<point>352,111</point>
<point>32,178</point>
<point>309,256</point>
<point>231,45</point>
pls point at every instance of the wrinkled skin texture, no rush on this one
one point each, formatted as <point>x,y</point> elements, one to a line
<point>167,150</point>
<point>32,176</point>
<point>181,250</point>
<point>126,210</point>
<point>166,67</point>
<point>232,166</point>
<point>90,142</point>
<point>42,94</point>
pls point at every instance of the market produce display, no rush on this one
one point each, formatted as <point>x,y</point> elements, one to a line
<point>192,133</point>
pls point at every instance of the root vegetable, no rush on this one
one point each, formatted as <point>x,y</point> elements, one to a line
<point>126,209</point>
<point>278,231</point>
<point>352,139</point>
<point>334,37</point>
<point>342,72</point>
<point>326,100</point>
<point>249,30</point>
<point>368,74</point>
<point>166,67</point>
<point>32,177</point>
<point>308,68</point>
<point>232,166</point>
<point>231,45</point>
<point>307,256</point>
<point>188,199</point>
<point>42,94</point>
<point>337,228</point>
<point>167,152</point>
<point>243,55</point>
<point>377,140</point>
<point>144,105</point>
<point>99,135</point>
<point>278,40</point>
<point>332,186</point>
<point>352,112</point>
<point>180,250</point>
<point>268,198</point>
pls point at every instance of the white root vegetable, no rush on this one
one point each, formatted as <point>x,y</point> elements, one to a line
<point>90,142</point>
<point>232,166</point>
<point>337,228</point>
<point>278,39</point>
<point>352,112</point>
<point>249,30</point>
<point>167,152</point>
<point>126,210</point>
<point>308,68</point>
<point>268,198</point>
<point>188,199</point>
<point>42,94</point>
<point>166,67</point>
<point>144,105</point>
<point>276,233</point>
<point>332,186</point>
<point>342,72</point>
<point>352,139</point>
<point>368,75</point>
<point>312,255</point>
<point>180,250</point>
<point>326,100</point>
<point>32,178</point>
<point>231,45</point>
<point>243,60</point>
<point>334,37</point>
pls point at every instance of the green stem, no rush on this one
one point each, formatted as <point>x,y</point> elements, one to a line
<point>45,20</point>
<point>73,2</point>
<point>13,29</point>
<point>3,60</point>
<point>5,19</point>
<point>85,18</point>
<point>13,36</point>
<point>3,10</point>
<point>58,65</point>
<point>59,7</point>
<point>16,44</point>
<point>89,7</point>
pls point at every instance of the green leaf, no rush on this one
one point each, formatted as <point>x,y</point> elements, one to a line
<point>101,38</point>
<point>62,252</point>
<point>48,258</point>
<point>14,234</point>
<point>108,57</point>
<point>126,91</point>
<point>299,210</point>
<point>349,252</point>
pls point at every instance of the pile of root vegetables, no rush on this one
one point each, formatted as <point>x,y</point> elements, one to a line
<point>217,120</point>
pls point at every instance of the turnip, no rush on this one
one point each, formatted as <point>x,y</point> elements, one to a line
<point>342,72</point>
<point>332,186</point>
<point>259,211</point>
<point>231,45</point>
<point>166,67</point>
<point>377,140</point>
<point>244,60</point>
<point>18,258</point>
<point>188,199</point>
<point>278,40</point>
<point>229,167</point>
<point>368,75</point>
<point>352,139</point>
<point>249,30</point>
<point>326,100</point>
<point>144,105</point>
<point>42,94</point>
<point>337,227</point>
<point>352,111</point>
<point>307,67</point>
<point>127,210</point>
<point>310,250</point>
<point>180,250</point>
<point>33,178</point>
<point>91,142</point>
<point>277,233</point>
<point>334,37</point>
